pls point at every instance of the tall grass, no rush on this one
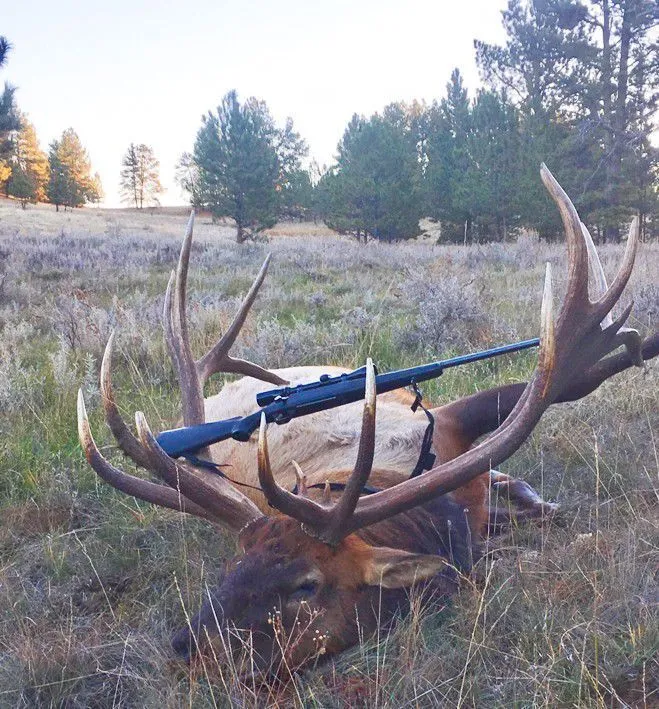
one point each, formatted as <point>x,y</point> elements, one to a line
<point>92,583</point>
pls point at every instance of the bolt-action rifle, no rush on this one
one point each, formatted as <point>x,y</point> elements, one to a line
<point>286,403</point>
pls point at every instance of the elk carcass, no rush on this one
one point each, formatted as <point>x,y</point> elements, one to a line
<point>319,563</point>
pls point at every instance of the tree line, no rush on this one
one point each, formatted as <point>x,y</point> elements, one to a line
<point>63,176</point>
<point>575,85</point>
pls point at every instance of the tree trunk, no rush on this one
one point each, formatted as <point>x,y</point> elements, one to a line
<point>606,63</point>
<point>240,234</point>
<point>618,111</point>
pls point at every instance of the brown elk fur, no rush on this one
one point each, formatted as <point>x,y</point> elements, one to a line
<point>362,582</point>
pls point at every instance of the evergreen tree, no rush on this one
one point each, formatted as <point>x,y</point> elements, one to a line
<point>28,161</point>
<point>294,190</point>
<point>496,155</point>
<point>375,188</point>
<point>22,186</point>
<point>585,75</point>
<point>70,182</point>
<point>187,177</point>
<point>9,119</point>
<point>472,154</point>
<point>544,64</point>
<point>244,162</point>
<point>4,50</point>
<point>95,193</point>
<point>58,182</point>
<point>140,176</point>
<point>448,161</point>
<point>296,196</point>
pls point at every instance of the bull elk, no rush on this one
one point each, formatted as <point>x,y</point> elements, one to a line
<point>322,566</point>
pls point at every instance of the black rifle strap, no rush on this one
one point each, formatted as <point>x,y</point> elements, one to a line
<point>334,487</point>
<point>426,457</point>
<point>217,469</point>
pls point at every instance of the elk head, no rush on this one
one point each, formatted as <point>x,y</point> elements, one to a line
<point>330,567</point>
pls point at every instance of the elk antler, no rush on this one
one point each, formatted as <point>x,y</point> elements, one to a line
<point>325,521</point>
<point>571,346</point>
<point>192,373</point>
<point>188,489</point>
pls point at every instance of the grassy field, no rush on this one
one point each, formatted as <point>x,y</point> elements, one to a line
<point>92,583</point>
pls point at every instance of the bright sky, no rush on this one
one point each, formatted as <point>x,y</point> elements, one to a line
<point>146,70</point>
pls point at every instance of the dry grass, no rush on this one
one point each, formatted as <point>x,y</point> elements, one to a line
<point>92,583</point>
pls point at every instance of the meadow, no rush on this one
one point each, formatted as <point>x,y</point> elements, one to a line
<point>92,582</point>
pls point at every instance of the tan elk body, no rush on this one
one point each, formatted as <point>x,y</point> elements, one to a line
<point>319,568</point>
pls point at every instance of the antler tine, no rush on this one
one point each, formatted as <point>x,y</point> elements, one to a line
<point>577,250</point>
<point>130,484</point>
<point>547,356</point>
<point>601,286</point>
<point>193,374</point>
<point>192,397</point>
<point>324,521</point>
<point>301,479</point>
<point>613,293</point>
<point>346,505</point>
<point>123,435</point>
<point>296,506</point>
<point>581,252</point>
<point>218,360</point>
<point>627,336</point>
<point>167,322</point>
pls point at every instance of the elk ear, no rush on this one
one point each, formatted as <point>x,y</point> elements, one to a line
<point>394,568</point>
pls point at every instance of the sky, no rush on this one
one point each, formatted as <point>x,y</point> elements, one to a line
<point>145,71</point>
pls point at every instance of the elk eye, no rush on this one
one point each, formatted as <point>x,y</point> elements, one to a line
<point>305,590</point>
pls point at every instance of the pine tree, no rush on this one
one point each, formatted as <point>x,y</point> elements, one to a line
<point>449,173</point>
<point>29,160</point>
<point>243,162</point>
<point>585,75</point>
<point>140,176</point>
<point>9,119</point>
<point>296,196</point>
<point>70,182</point>
<point>95,192</point>
<point>375,188</point>
<point>58,181</point>
<point>492,184</point>
<point>188,178</point>
<point>22,186</point>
